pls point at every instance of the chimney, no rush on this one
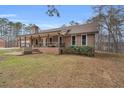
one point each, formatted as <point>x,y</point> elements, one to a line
<point>35,29</point>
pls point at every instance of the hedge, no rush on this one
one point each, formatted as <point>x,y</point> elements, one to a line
<point>82,50</point>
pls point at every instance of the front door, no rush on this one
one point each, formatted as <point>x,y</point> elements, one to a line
<point>61,41</point>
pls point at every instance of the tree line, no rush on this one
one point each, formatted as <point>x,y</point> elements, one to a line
<point>9,30</point>
<point>110,21</point>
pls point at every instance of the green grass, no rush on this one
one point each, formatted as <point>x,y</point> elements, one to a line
<point>45,70</point>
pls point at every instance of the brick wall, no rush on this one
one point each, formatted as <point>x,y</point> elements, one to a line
<point>90,40</point>
<point>2,43</point>
<point>49,50</point>
<point>67,41</point>
<point>34,29</point>
<point>78,40</point>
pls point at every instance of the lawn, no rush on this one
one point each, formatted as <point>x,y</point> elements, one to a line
<point>45,70</point>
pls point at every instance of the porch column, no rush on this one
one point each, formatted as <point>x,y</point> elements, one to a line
<point>44,42</point>
<point>20,41</point>
<point>34,41</point>
<point>31,41</point>
<point>39,41</point>
<point>58,41</point>
<point>25,41</point>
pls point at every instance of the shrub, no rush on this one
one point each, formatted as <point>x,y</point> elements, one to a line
<point>83,50</point>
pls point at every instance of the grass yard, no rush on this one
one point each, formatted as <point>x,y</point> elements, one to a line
<point>43,70</point>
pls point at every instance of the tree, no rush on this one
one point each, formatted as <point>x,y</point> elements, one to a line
<point>9,30</point>
<point>18,27</point>
<point>52,11</point>
<point>111,20</point>
<point>3,25</point>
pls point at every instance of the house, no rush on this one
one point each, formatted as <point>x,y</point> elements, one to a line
<point>55,40</point>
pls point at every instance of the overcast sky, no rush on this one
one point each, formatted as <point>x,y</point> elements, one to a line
<point>37,14</point>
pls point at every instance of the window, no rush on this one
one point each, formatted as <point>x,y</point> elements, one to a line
<point>50,40</point>
<point>73,40</point>
<point>83,40</point>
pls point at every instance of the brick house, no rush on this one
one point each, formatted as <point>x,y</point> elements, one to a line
<point>54,40</point>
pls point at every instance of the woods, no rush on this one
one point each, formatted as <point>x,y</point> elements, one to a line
<point>9,30</point>
<point>110,21</point>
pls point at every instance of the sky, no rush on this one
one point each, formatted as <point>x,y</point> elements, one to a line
<point>37,14</point>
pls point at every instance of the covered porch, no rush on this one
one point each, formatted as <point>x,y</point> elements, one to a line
<point>46,42</point>
<point>41,40</point>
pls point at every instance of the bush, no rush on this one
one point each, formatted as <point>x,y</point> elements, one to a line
<point>83,50</point>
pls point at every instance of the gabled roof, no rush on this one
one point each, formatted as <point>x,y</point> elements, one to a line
<point>84,28</point>
<point>75,29</point>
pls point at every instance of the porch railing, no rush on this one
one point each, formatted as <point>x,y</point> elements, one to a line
<point>46,44</point>
<point>53,44</point>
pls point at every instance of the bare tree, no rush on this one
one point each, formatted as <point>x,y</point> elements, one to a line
<point>111,20</point>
